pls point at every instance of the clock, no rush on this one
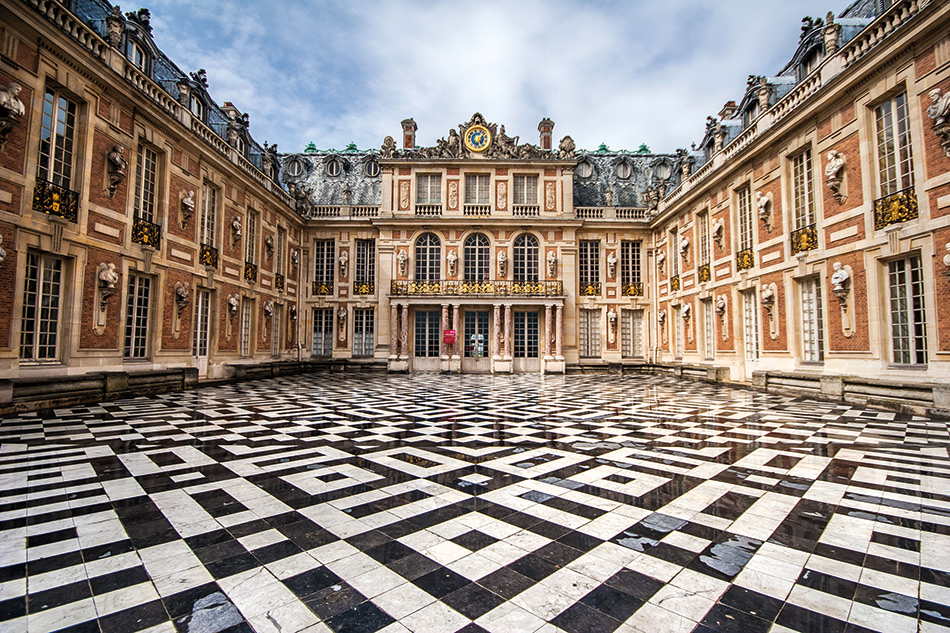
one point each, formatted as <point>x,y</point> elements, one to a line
<point>477,138</point>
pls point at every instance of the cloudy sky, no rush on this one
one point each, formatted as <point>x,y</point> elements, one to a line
<point>623,72</point>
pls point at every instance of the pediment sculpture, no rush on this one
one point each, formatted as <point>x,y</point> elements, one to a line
<point>477,138</point>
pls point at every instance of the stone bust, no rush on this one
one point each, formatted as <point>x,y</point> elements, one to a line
<point>10,99</point>
<point>939,109</point>
<point>839,278</point>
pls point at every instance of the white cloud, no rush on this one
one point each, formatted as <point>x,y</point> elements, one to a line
<point>612,71</point>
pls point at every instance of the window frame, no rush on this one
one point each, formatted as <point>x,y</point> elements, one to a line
<point>476,257</point>
<point>746,232</point>
<point>521,194</point>
<point>588,262</point>
<point>804,205</point>
<point>432,188</point>
<point>136,345</point>
<point>147,198</point>
<point>428,257</point>
<point>56,156</point>
<point>207,221</point>
<point>42,302</point>
<point>477,184</point>
<point>901,157</point>
<point>526,258</point>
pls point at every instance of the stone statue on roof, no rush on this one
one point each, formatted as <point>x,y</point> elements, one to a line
<point>388,149</point>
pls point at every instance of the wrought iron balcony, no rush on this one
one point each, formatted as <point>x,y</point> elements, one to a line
<point>322,288</point>
<point>704,273</point>
<point>55,200</point>
<point>804,239</point>
<point>146,233</point>
<point>634,289</point>
<point>745,259</point>
<point>675,283</point>
<point>250,272</point>
<point>364,288</point>
<point>591,289</point>
<point>208,256</point>
<point>487,288</point>
<point>895,208</point>
<point>279,282</point>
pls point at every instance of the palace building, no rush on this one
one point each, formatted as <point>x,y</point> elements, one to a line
<point>149,242</point>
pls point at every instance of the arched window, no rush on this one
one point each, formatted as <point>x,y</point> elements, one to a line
<point>477,258</point>
<point>428,257</point>
<point>526,258</point>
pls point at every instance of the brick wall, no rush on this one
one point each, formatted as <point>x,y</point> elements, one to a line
<point>88,337</point>
<point>858,301</point>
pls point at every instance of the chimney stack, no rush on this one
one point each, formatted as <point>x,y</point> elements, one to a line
<point>546,127</point>
<point>409,128</point>
<point>728,110</point>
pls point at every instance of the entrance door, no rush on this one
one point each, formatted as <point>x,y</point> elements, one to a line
<point>427,340</point>
<point>526,342</point>
<point>475,341</point>
<point>202,324</point>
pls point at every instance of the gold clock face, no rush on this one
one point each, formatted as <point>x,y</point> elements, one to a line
<point>477,138</point>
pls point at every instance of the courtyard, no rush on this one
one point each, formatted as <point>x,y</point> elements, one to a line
<point>508,504</point>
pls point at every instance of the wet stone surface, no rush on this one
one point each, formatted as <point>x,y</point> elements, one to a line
<point>466,503</point>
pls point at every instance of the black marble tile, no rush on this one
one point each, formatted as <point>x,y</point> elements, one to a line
<point>364,618</point>
<point>473,601</point>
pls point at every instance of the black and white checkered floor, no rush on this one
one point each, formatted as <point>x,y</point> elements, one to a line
<point>517,504</point>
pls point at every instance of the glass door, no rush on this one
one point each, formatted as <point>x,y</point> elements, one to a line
<point>476,357</point>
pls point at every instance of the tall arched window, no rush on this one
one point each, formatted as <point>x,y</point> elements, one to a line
<point>477,258</point>
<point>526,258</point>
<point>428,257</point>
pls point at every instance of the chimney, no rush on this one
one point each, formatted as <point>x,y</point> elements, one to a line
<point>409,128</point>
<point>728,110</point>
<point>546,127</point>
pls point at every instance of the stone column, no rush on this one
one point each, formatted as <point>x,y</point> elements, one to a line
<point>455,326</point>
<point>548,330</point>
<point>445,326</point>
<point>559,334</point>
<point>496,334</point>
<point>507,332</point>
<point>404,332</point>
<point>393,330</point>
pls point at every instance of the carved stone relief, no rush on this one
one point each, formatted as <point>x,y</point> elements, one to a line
<point>453,194</point>
<point>552,262</point>
<point>550,196</point>
<point>502,198</point>
<point>402,260</point>
<point>404,195</point>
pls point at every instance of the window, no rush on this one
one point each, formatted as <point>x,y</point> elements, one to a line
<point>363,341</point>
<point>197,107</point>
<point>42,286</point>
<point>202,322</point>
<point>751,324</point>
<point>476,189</point>
<point>145,183</point>
<point>279,254</point>
<point>526,255</point>
<point>247,312</point>
<point>803,197</point>
<point>428,257</point>
<point>680,327</point>
<point>57,136</point>
<point>709,330</point>
<point>136,54</point>
<point>429,189</point>
<point>674,252</point>
<point>371,169</point>
<point>908,320</point>
<point>295,167</point>
<point>136,317</point>
<point>623,170</point>
<point>895,164</point>
<point>323,252</point>
<point>526,190</point>
<point>365,267</point>
<point>334,167</point>
<point>241,146</point>
<point>477,258</point>
<point>631,333</point>
<point>525,334</point>
<point>629,263</point>
<point>275,322</point>
<point>589,259</point>
<point>744,203</point>
<point>250,239</point>
<point>702,220</point>
<point>812,338</point>
<point>322,331</point>
<point>209,205</point>
<point>585,169</point>
<point>427,330</point>
<point>588,333</point>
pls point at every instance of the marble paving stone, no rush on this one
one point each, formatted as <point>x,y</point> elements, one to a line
<point>507,504</point>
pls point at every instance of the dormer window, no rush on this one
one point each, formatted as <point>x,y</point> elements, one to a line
<point>136,54</point>
<point>372,168</point>
<point>241,146</point>
<point>623,170</point>
<point>809,62</point>
<point>295,167</point>
<point>585,168</point>
<point>197,107</point>
<point>334,167</point>
<point>750,115</point>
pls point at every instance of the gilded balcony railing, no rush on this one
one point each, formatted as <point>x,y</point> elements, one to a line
<point>279,282</point>
<point>634,289</point>
<point>745,259</point>
<point>55,200</point>
<point>364,288</point>
<point>146,233</point>
<point>704,273</point>
<point>591,289</point>
<point>675,283</point>
<point>208,256</point>
<point>322,288</point>
<point>804,239</point>
<point>488,287</point>
<point>250,272</point>
<point>895,208</point>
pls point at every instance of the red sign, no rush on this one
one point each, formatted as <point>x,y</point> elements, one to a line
<point>448,337</point>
